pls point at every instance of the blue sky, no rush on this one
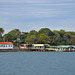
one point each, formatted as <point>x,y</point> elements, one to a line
<point>29,15</point>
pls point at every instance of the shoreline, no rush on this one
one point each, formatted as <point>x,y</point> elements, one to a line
<point>30,50</point>
<point>27,50</point>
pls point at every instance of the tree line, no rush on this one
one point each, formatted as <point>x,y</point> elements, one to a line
<point>43,36</point>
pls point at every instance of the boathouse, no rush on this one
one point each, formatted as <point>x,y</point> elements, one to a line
<point>6,45</point>
<point>40,46</point>
<point>62,48</point>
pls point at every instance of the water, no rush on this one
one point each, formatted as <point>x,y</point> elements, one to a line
<point>37,63</point>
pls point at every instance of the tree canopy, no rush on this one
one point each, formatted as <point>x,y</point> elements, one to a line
<point>44,36</point>
<point>1,32</point>
<point>46,31</point>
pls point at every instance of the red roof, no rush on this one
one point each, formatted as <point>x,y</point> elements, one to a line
<point>6,43</point>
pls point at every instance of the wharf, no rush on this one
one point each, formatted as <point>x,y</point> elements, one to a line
<point>31,50</point>
<point>17,50</point>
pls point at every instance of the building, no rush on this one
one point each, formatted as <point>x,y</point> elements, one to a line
<point>6,45</point>
<point>52,48</point>
<point>40,46</point>
<point>25,46</point>
<point>62,48</point>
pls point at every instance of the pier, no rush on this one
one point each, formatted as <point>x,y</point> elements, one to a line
<point>31,50</point>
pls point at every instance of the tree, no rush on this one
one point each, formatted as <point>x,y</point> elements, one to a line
<point>7,37</point>
<point>1,32</point>
<point>15,34</point>
<point>44,39</point>
<point>12,36</point>
<point>1,40</point>
<point>71,37</point>
<point>72,40</point>
<point>32,39</point>
<point>66,39</point>
<point>33,32</point>
<point>44,36</point>
<point>46,31</point>
<point>23,37</point>
<point>62,32</point>
<point>57,39</point>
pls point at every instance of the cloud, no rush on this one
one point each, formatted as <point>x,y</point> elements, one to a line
<point>26,1</point>
<point>54,4</point>
<point>30,13</point>
<point>35,14</point>
<point>35,1</point>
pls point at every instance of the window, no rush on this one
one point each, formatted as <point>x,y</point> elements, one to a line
<point>6,45</point>
<point>3,45</point>
<point>40,46</point>
<point>9,45</point>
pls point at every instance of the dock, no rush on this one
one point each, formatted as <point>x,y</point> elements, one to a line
<point>29,50</point>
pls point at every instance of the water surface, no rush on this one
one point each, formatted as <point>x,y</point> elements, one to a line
<point>37,63</point>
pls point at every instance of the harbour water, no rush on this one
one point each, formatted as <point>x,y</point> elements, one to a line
<point>37,63</point>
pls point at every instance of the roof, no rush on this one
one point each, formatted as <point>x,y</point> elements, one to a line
<point>65,46</point>
<point>53,46</point>
<point>41,45</point>
<point>74,46</point>
<point>38,44</point>
<point>50,49</point>
<point>6,43</point>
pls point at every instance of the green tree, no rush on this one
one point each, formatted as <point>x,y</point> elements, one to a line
<point>46,31</point>
<point>44,39</point>
<point>62,32</point>
<point>12,36</point>
<point>33,32</point>
<point>66,39</point>
<point>15,34</point>
<point>56,39</point>
<point>32,39</point>
<point>23,37</point>
<point>44,35</point>
<point>1,32</point>
<point>72,40</point>
<point>72,37</point>
<point>7,37</point>
<point>1,40</point>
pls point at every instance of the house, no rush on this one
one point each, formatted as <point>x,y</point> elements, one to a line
<point>73,49</point>
<point>6,45</point>
<point>51,48</point>
<point>25,46</point>
<point>40,46</point>
<point>62,48</point>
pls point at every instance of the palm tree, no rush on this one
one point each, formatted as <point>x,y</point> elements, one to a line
<point>1,32</point>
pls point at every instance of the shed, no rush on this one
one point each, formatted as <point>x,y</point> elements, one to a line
<point>6,45</point>
<point>64,48</point>
<point>40,46</point>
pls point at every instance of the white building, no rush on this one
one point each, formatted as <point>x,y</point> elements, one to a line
<point>6,45</point>
<point>40,46</point>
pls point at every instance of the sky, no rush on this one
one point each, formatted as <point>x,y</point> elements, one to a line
<point>27,15</point>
